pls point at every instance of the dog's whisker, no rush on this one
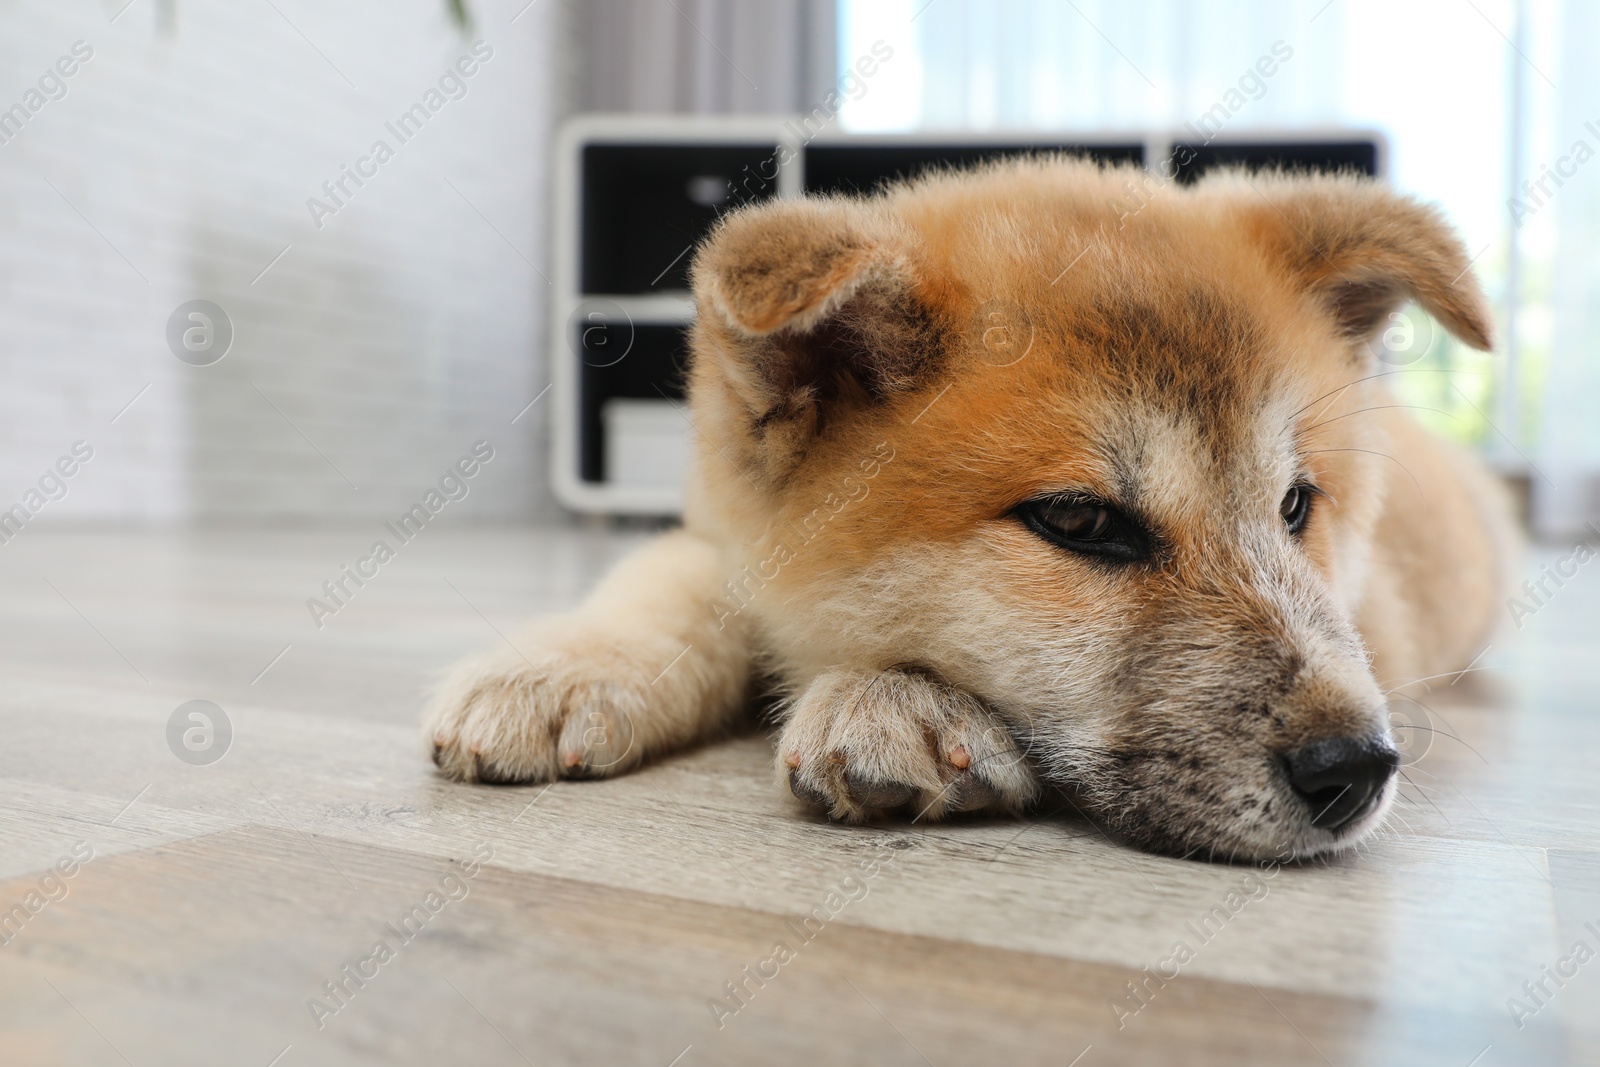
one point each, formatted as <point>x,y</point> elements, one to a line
<point>1423,793</point>
<point>1369,378</point>
<point>1434,678</point>
<point>1384,455</point>
<point>1442,733</point>
<point>1379,407</point>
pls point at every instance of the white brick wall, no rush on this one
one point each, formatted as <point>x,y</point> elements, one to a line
<point>404,329</point>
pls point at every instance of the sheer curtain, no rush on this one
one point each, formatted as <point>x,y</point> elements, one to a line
<point>1473,98</point>
<point>1562,246</point>
<point>704,56</point>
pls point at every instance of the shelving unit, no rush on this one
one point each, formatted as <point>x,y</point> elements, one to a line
<point>634,194</point>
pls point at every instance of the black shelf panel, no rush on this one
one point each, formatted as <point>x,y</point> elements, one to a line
<point>644,205</point>
<point>862,168</point>
<point>1190,161</point>
<point>636,361</point>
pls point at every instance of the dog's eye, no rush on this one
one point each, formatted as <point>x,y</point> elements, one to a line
<point>1078,522</point>
<point>1085,526</point>
<point>1296,507</point>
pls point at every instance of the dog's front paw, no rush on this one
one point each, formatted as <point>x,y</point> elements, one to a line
<point>564,704</point>
<point>860,744</point>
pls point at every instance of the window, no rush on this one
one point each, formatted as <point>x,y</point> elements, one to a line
<point>1474,100</point>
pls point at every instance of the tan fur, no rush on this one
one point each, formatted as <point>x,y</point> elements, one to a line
<point>879,383</point>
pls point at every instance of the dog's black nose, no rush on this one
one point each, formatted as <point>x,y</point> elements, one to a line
<point>1342,777</point>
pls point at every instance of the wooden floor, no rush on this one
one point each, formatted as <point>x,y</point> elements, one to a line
<point>609,918</point>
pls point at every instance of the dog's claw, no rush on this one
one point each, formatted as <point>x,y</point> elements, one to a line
<point>806,792</point>
<point>487,774</point>
<point>875,794</point>
<point>973,794</point>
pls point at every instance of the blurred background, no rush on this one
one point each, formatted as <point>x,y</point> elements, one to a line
<point>376,336</point>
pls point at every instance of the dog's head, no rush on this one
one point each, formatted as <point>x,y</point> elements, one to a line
<point>1086,449</point>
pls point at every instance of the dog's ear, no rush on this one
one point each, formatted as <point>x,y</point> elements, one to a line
<point>1363,250</point>
<point>808,306</point>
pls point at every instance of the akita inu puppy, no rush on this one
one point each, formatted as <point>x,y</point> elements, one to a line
<point>1002,487</point>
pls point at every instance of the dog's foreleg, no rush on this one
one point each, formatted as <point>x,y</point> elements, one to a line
<point>645,665</point>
